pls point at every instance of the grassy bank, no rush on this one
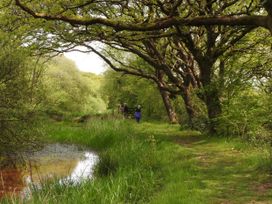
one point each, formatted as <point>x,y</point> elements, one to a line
<point>158,163</point>
<point>126,171</point>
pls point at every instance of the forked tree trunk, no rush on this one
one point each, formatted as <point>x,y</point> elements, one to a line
<point>168,106</point>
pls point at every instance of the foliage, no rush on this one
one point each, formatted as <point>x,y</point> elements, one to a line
<point>130,177</point>
<point>20,97</point>
<point>228,68</point>
<point>157,163</point>
<point>245,89</point>
<point>249,122</point>
<point>120,88</point>
<point>70,92</point>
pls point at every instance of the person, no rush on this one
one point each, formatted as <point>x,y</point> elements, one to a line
<point>125,110</point>
<point>138,113</point>
<point>121,108</point>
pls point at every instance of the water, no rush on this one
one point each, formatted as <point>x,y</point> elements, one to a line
<point>67,163</point>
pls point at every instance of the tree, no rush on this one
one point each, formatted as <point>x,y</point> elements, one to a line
<point>20,97</point>
<point>88,13</point>
<point>206,42</point>
<point>123,88</point>
<point>202,47</point>
<point>138,67</point>
<point>245,77</point>
<point>70,92</point>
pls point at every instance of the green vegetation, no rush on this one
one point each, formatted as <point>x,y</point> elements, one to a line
<point>203,66</point>
<point>20,94</point>
<point>68,92</point>
<point>134,91</point>
<point>158,163</point>
<point>126,171</point>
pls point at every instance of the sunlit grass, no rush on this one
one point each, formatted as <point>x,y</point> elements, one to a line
<point>126,172</point>
<point>159,163</point>
<point>201,169</point>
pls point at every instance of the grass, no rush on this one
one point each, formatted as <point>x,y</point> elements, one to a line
<point>213,170</point>
<point>126,171</point>
<point>158,163</point>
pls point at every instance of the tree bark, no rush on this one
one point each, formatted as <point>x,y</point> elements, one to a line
<point>188,105</point>
<point>211,96</point>
<point>214,109</point>
<point>168,106</point>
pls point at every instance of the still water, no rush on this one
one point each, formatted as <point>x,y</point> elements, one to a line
<point>67,163</point>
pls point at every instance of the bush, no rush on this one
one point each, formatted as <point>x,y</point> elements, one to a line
<point>20,96</point>
<point>246,116</point>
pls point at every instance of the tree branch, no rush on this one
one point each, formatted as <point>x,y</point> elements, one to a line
<point>160,23</point>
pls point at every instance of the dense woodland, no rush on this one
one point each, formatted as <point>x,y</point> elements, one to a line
<point>204,65</point>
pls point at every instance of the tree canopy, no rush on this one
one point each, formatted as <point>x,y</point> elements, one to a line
<point>185,45</point>
<point>156,14</point>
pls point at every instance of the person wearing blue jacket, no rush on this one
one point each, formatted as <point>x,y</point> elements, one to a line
<point>138,113</point>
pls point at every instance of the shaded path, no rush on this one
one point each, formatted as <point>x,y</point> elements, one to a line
<point>201,169</point>
<point>235,174</point>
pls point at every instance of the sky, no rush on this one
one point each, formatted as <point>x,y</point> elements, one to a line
<point>87,62</point>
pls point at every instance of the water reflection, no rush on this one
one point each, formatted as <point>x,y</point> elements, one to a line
<point>11,181</point>
<point>83,169</point>
<point>69,163</point>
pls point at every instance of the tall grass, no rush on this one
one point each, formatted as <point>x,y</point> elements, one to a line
<point>96,134</point>
<point>126,172</point>
<point>158,163</point>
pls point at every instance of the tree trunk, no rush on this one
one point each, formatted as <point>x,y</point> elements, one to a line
<point>168,106</point>
<point>188,105</point>
<point>214,109</point>
<point>211,95</point>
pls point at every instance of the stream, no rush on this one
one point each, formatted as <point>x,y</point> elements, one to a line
<point>66,163</point>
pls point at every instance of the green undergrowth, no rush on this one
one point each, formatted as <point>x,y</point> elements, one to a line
<point>127,171</point>
<point>158,163</point>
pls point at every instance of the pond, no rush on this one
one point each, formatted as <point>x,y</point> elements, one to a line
<point>67,163</point>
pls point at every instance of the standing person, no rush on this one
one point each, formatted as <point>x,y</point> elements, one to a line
<point>120,108</point>
<point>125,109</point>
<point>138,113</point>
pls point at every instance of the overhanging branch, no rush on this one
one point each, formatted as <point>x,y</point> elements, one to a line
<point>160,23</point>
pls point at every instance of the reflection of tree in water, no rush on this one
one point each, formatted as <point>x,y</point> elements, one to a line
<point>54,161</point>
<point>11,181</point>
